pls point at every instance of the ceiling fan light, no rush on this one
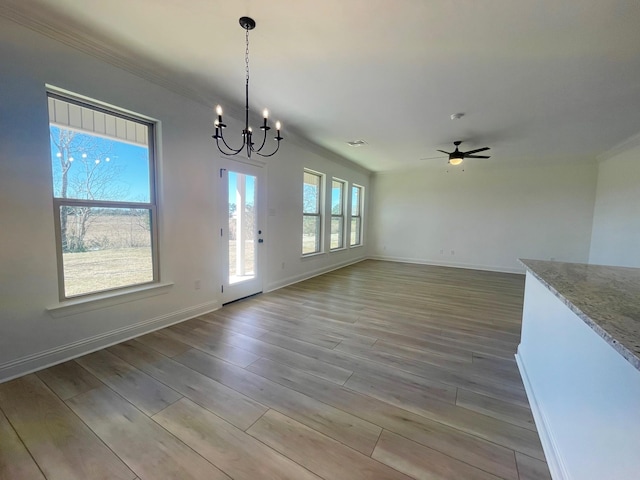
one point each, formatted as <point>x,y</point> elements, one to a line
<point>455,160</point>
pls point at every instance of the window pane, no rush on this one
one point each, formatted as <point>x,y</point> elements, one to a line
<point>102,178</point>
<point>355,201</point>
<point>311,193</point>
<point>355,231</point>
<point>336,197</point>
<point>337,227</point>
<point>242,231</point>
<point>87,166</point>
<point>311,234</point>
<point>105,248</point>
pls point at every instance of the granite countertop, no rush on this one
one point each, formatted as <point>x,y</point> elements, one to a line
<point>606,298</point>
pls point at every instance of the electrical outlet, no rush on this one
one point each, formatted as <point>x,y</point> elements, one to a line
<point>196,284</point>
<point>442,251</point>
<point>453,252</point>
<point>282,265</point>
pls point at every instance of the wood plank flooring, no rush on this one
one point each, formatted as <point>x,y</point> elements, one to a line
<point>379,370</point>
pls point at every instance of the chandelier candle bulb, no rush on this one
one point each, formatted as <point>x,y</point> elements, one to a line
<point>218,123</point>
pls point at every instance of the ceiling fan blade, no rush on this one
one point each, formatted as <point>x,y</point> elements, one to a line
<point>433,158</point>
<point>477,150</point>
<point>448,153</point>
<point>476,156</point>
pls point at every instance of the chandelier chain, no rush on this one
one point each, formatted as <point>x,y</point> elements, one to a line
<point>246,55</point>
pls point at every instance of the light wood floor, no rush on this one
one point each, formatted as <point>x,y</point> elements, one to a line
<point>376,371</point>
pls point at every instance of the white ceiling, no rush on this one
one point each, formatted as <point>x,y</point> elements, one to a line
<point>538,80</point>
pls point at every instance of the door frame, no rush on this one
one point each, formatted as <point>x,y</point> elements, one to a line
<point>232,292</point>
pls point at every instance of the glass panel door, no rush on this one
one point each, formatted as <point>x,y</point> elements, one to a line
<point>242,234</point>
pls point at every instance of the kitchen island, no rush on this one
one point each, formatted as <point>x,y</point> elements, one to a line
<point>579,357</point>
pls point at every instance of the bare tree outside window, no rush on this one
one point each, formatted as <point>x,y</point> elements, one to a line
<point>96,177</point>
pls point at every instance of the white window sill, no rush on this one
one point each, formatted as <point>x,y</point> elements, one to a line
<point>107,299</point>
<point>309,255</point>
<point>356,246</point>
<point>341,249</point>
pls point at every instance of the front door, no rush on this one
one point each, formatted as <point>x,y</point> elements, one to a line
<point>242,234</point>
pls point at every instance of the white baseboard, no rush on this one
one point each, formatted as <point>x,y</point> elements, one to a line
<point>307,275</point>
<point>48,358</point>
<point>554,459</point>
<point>468,266</point>
<point>320,271</point>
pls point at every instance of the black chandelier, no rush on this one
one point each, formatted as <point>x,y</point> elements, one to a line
<point>247,134</point>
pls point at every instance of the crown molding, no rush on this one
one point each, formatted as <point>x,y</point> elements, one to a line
<point>302,141</point>
<point>52,25</point>
<point>625,145</point>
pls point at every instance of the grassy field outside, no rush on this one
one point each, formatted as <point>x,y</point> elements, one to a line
<point>117,252</point>
<point>97,270</point>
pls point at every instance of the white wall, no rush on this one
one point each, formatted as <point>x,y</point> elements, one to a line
<point>488,215</point>
<point>616,220</point>
<point>30,337</point>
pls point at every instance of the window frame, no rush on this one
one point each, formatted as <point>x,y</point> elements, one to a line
<point>151,205</point>
<point>341,215</point>
<point>318,214</point>
<point>359,216</point>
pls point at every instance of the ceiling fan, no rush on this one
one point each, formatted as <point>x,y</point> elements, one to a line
<point>456,157</point>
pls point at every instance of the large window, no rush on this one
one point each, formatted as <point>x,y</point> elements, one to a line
<point>311,212</point>
<point>104,197</point>
<point>337,213</point>
<point>356,215</point>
